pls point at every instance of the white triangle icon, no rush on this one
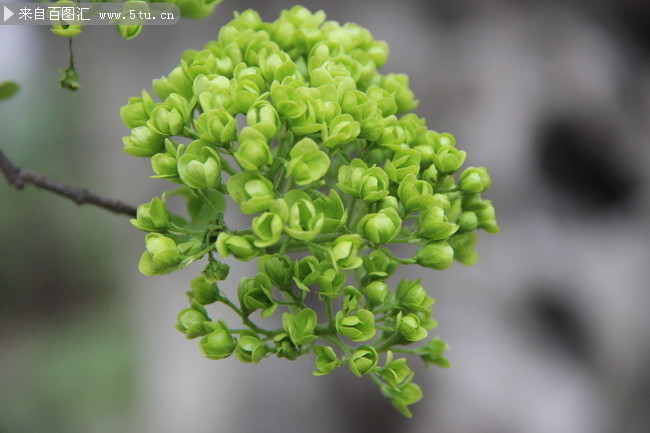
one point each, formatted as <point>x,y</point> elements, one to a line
<point>7,13</point>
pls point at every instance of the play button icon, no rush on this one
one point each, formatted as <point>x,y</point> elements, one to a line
<point>7,13</point>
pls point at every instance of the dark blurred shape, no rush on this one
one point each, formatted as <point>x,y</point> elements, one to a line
<point>556,322</point>
<point>634,18</point>
<point>579,159</point>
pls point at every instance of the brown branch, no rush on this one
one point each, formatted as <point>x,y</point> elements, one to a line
<point>19,177</point>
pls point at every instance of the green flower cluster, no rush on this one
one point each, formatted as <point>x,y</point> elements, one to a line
<point>188,8</point>
<point>293,121</point>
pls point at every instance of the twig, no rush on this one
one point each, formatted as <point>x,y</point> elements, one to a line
<point>19,177</point>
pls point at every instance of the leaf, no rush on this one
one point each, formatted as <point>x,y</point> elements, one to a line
<point>8,89</point>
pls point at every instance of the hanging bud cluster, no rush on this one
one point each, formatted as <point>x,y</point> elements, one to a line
<point>293,121</point>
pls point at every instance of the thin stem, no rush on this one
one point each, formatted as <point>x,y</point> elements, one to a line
<point>19,177</point>
<point>245,319</point>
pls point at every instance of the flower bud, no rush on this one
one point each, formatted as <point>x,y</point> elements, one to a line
<point>436,255</point>
<point>196,8</point>
<point>60,27</point>
<point>412,296</point>
<point>277,66</point>
<point>374,185</point>
<point>308,163</point>
<point>241,247</point>
<point>449,159</point>
<point>190,322</point>
<point>474,179</point>
<point>407,394</point>
<point>434,225</point>
<point>200,166</point>
<point>463,245</point>
<point>377,292</point>
<point>300,327</point>
<point>326,360</point>
<point>394,372</point>
<point>278,268</point>
<point>404,162</point>
<point>335,214</point>
<point>378,265</point>
<point>344,251</point>
<point>409,327</point>
<point>215,271</point>
<point>152,216</point>
<point>385,101</point>
<point>255,294</point>
<point>330,281</point>
<point>216,126</point>
<point>415,194</point>
<point>143,141</point>
<point>432,353</point>
<point>284,347</point>
<point>398,85</point>
<point>263,117</point>
<point>363,360</point>
<point>487,219</point>
<point>359,326</point>
<point>381,227</point>
<point>467,222</point>
<point>253,151</point>
<point>304,223</point>
<point>218,344</point>
<point>162,255</point>
<point>137,111</point>
<point>340,130</point>
<point>170,117</point>
<point>129,31</point>
<point>251,191</point>
<point>176,82</point>
<point>203,292</point>
<point>268,228</point>
<point>250,348</point>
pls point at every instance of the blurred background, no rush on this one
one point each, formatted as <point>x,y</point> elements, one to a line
<point>549,331</point>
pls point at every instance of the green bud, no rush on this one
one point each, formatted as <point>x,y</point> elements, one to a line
<point>308,163</point>
<point>330,281</point>
<point>341,130</point>
<point>250,348</point>
<point>326,360</point>
<point>412,296</point>
<point>200,166</point>
<point>215,271</point>
<point>409,327</point>
<point>268,228</point>
<point>398,85</point>
<point>415,194</point>
<point>143,141</point>
<point>218,344</point>
<point>277,66</point>
<point>285,347</point>
<point>432,353</point>
<point>407,394</point>
<point>381,227</point>
<point>137,111</point>
<point>436,255</point>
<point>359,326</point>
<point>394,372</point>
<point>300,327</point>
<point>251,191</point>
<point>434,224</point>
<point>255,294</point>
<point>216,126</point>
<point>196,8</point>
<point>463,245</point>
<point>304,222</point>
<point>264,117</point>
<point>449,159</point>
<point>377,292</point>
<point>363,360</point>
<point>152,216</point>
<point>335,214</point>
<point>385,101</point>
<point>389,202</point>
<point>203,292</point>
<point>351,300</point>
<point>129,31</point>
<point>278,268</point>
<point>374,185</point>
<point>468,221</point>
<point>60,27</point>
<point>378,265</point>
<point>190,322</point>
<point>253,151</point>
<point>176,82</point>
<point>487,219</point>
<point>344,251</point>
<point>241,247</point>
<point>474,179</point>
<point>162,255</point>
<point>170,117</point>
<point>404,162</point>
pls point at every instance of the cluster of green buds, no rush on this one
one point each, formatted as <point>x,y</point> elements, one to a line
<point>293,121</point>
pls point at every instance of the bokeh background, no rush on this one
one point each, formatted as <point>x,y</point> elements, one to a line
<point>549,331</point>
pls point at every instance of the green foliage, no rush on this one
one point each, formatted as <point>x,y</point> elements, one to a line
<point>331,177</point>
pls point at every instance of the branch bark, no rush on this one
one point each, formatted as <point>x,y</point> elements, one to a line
<point>19,177</point>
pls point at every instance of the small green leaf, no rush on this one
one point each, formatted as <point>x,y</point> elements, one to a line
<point>8,89</point>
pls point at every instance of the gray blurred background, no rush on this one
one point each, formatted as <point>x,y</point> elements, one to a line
<point>549,331</point>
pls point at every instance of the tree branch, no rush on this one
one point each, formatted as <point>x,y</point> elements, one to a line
<point>19,177</point>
